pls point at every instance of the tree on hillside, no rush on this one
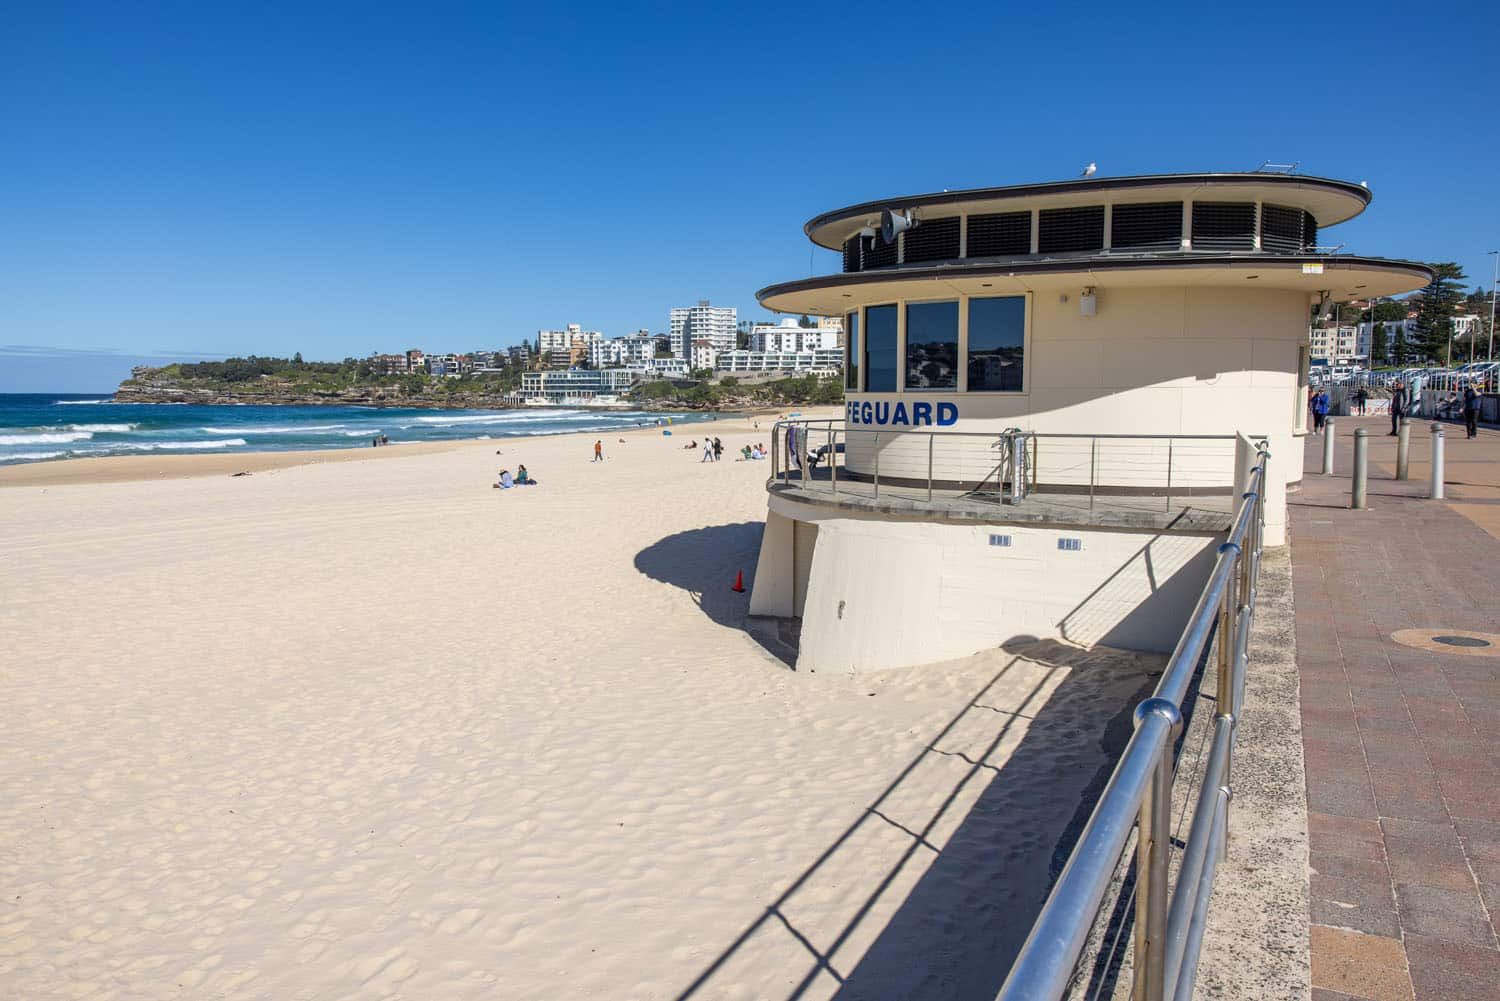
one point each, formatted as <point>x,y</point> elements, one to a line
<point>1440,300</point>
<point>1379,345</point>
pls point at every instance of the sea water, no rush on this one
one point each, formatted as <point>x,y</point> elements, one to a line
<point>36,427</point>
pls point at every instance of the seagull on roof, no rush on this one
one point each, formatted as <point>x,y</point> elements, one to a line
<point>1090,170</point>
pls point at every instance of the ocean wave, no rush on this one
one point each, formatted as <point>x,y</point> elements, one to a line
<point>159,445</point>
<point>274,430</point>
<point>362,434</point>
<point>505,418</point>
<point>48,438</point>
<point>103,428</point>
<point>78,403</point>
<point>29,456</point>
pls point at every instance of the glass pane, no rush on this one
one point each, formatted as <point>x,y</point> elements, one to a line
<point>932,345</point>
<point>997,343</point>
<point>851,351</point>
<point>880,349</point>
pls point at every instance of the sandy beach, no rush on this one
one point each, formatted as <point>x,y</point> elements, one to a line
<point>369,728</point>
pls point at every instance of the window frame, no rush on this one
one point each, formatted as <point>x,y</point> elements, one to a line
<point>960,313</point>
<point>900,358</point>
<point>1026,312</point>
<point>857,371</point>
<point>962,388</point>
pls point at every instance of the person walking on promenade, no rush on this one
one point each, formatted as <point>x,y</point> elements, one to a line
<point>599,451</point>
<point>1471,412</point>
<point>1361,397</point>
<point>1320,410</point>
<point>1398,406</point>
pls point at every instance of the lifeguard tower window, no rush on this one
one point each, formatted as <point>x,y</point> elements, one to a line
<point>933,240</point>
<point>1068,231</point>
<point>1223,225</point>
<point>851,352</point>
<point>1147,226</point>
<point>997,344</point>
<point>1003,234</point>
<point>880,349</point>
<point>932,345</point>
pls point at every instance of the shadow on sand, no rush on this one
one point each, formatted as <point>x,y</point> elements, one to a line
<point>703,562</point>
<point>954,930</point>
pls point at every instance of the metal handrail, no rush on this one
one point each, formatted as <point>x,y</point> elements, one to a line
<point>1015,467</point>
<point>1169,922</point>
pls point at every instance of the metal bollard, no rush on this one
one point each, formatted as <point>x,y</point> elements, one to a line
<point>1328,447</point>
<point>1403,448</point>
<point>1361,467</point>
<point>1435,485</point>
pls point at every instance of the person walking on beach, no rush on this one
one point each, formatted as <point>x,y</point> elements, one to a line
<point>708,451</point>
<point>1398,406</point>
<point>1320,411</point>
<point>599,451</point>
<point>718,449</point>
<point>1471,412</point>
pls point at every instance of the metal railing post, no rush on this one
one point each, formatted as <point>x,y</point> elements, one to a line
<point>1093,468</point>
<point>833,455</point>
<point>775,452</point>
<point>1328,448</point>
<point>1403,447</point>
<point>929,466</point>
<point>877,463</point>
<point>1361,467</point>
<point>1435,483</point>
<point>1169,474</point>
<point>1153,840</point>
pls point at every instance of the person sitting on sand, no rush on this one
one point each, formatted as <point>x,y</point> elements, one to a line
<point>745,454</point>
<point>757,452</point>
<point>506,480</point>
<point>523,478</point>
<point>690,446</point>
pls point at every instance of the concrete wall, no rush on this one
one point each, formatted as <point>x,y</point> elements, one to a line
<point>888,593</point>
<point>1152,361</point>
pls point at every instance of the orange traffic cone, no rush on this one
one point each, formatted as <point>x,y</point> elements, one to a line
<point>739,582</point>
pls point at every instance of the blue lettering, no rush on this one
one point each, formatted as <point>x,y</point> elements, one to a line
<point>921,413</point>
<point>864,412</point>
<point>851,412</point>
<point>899,416</point>
<point>947,414</point>
<point>882,413</point>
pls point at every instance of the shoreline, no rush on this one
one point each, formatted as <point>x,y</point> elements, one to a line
<point>134,468</point>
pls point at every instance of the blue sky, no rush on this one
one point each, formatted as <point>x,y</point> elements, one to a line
<point>210,179</point>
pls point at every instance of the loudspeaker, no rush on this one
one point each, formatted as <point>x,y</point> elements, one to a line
<point>894,223</point>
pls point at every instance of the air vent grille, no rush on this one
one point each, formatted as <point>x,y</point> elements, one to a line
<point>1280,229</point>
<point>1067,231</point>
<point>879,254</point>
<point>1309,231</point>
<point>1005,234</point>
<point>1223,225</point>
<point>851,253</point>
<point>1149,226</point>
<point>932,240</point>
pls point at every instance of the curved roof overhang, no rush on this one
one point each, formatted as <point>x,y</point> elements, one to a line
<point>1330,201</point>
<point>1344,278</point>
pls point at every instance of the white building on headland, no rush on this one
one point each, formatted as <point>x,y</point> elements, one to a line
<point>1142,334</point>
<point>635,349</point>
<point>570,336</point>
<point>823,361</point>
<point>576,384</point>
<point>703,322</point>
<point>790,335</point>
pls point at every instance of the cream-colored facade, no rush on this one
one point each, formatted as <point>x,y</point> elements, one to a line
<point>1196,326</point>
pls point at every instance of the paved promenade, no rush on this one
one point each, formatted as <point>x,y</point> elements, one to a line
<point>1402,741</point>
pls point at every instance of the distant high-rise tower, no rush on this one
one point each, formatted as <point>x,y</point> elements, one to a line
<point>703,322</point>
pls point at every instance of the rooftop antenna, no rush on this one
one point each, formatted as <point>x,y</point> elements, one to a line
<point>1090,170</point>
<point>1270,167</point>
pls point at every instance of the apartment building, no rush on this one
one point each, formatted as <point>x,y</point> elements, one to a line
<point>715,324</point>
<point>790,335</point>
<point>822,361</point>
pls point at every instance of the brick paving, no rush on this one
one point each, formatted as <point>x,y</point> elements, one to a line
<point>1402,746</point>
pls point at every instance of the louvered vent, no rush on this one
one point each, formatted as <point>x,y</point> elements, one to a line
<point>1005,234</point>
<point>932,240</point>
<point>1151,226</point>
<point>1066,231</point>
<point>851,253</point>
<point>1223,225</point>
<point>1280,229</point>
<point>879,254</point>
<point>1309,231</point>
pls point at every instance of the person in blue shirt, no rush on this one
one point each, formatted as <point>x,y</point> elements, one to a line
<point>1320,410</point>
